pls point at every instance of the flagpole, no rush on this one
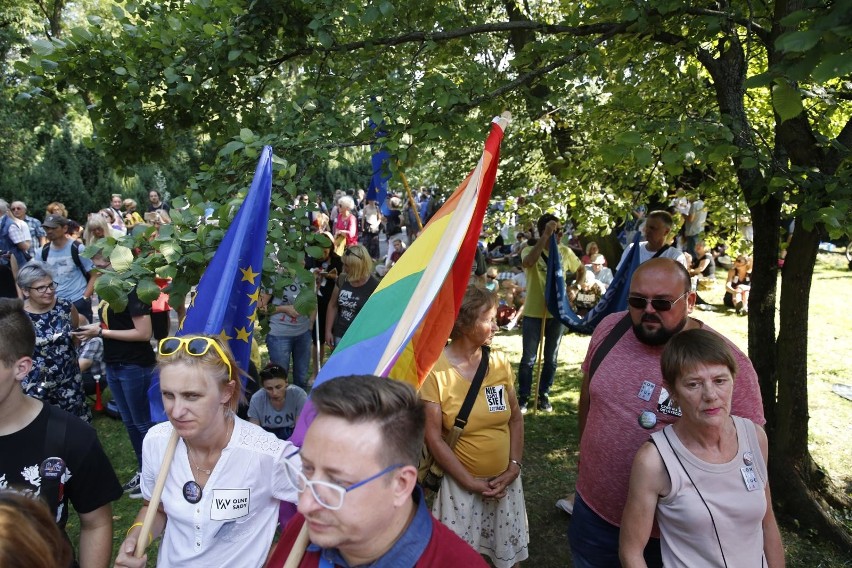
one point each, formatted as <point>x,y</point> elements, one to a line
<point>411,201</point>
<point>299,547</point>
<point>540,362</point>
<point>154,504</point>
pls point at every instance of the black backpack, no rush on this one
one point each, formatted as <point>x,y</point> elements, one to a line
<point>75,256</point>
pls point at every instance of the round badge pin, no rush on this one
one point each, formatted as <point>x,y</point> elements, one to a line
<point>647,420</point>
<point>748,458</point>
<point>192,492</point>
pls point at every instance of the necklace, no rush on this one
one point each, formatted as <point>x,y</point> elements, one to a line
<point>192,459</point>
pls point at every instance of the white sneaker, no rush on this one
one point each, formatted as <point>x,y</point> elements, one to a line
<point>565,505</point>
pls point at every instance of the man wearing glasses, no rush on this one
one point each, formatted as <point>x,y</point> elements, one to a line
<point>357,483</point>
<point>622,401</point>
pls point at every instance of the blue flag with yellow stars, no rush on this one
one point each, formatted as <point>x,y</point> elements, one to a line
<point>225,302</point>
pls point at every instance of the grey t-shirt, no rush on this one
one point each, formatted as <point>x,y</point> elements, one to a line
<point>279,422</point>
<point>280,324</point>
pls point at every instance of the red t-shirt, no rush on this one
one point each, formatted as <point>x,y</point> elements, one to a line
<point>444,549</point>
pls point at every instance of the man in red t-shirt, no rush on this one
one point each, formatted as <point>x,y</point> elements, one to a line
<point>623,401</point>
<point>358,495</point>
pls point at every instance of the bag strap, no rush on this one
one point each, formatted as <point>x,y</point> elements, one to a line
<point>618,330</point>
<point>661,251</point>
<point>473,391</point>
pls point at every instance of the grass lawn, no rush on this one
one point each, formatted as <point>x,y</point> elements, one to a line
<point>551,439</point>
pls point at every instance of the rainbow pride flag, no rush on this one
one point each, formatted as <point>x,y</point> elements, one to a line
<point>404,325</point>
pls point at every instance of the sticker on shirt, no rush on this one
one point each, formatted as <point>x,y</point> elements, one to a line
<point>646,390</point>
<point>495,396</point>
<point>750,478</point>
<point>665,404</point>
<point>229,504</point>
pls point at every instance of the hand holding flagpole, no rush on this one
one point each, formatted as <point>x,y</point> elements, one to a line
<point>154,504</point>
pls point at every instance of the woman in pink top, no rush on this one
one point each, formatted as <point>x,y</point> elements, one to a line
<point>347,222</point>
<point>703,477</point>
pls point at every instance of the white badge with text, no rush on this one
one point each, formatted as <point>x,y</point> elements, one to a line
<point>496,398</point>
<point>229,504</point>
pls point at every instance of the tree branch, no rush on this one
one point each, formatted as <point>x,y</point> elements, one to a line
<point>419,36</point>
<point>759,30</point>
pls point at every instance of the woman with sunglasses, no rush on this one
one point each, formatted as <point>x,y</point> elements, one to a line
<point>351,292</point>
<point>227,478</point>
<point>129,361</point>
<point>55,376</point>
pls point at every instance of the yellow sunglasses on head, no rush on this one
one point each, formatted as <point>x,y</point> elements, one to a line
<point>195,346</point>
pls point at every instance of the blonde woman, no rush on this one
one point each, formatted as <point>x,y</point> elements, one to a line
<point>350,293</point>
<point>97,227</point>
<point>226,481</point>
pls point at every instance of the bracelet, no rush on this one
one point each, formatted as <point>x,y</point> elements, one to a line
<point>100,332</point>
<point>133,526</point>
<point>517,463</point>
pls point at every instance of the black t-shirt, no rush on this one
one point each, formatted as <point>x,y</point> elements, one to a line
<point>90,481</point>
<point>349,303</point>
<point>710,269</point>
<point>133,352</point>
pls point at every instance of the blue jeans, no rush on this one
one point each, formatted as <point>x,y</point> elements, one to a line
<point>531,330</point>
<point>281,347</point>
<point>129,385</point>
<point>594,542</point>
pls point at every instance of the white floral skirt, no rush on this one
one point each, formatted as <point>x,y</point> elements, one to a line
<point>497,528</point>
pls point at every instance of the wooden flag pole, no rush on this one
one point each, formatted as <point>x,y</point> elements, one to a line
<point>154,504</point>
<point>299,547</point>
<point>411,201</point>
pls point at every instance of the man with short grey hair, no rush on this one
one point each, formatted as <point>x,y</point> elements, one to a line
<point>17,235</point>
<point>19,210</point>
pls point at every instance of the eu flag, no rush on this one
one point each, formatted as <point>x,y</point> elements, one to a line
<point>378,188</point>
<point>225,302</point>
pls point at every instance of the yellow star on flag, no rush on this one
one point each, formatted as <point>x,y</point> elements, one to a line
<point>249,275</point>
<point>253,316</point>
<point>254,296</point>
<point>224,336</point>
<point>243,334</point>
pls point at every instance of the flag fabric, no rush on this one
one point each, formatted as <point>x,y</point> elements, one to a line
<point>613,300</point>
<point>378,189</point>
<point>225,302</point>
<point>402,329</point>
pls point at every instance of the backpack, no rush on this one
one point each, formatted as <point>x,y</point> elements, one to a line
<point>75,256</point>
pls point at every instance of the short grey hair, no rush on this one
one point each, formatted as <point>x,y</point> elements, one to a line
<point>347,202</point>
<point>32,272</point>
<point>4,206</point>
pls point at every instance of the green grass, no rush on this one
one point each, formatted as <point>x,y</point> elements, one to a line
<point>551,439</point>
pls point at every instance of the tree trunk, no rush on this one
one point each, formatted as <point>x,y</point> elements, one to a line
<point>801,488</point>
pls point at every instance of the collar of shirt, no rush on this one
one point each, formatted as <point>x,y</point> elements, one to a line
<point>404,553</point>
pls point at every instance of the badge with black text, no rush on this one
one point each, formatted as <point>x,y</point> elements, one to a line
<point>750,478</point>
<point>646,390</point>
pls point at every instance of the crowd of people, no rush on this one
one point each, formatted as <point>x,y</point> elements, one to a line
<point>670,412</point>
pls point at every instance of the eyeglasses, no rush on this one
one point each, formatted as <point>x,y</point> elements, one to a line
<point>490,277</point>
<point>45,288</point>
<point>195,346</point>
<point>658,304</point>
<point>328,495</point>
<point>350,251</point>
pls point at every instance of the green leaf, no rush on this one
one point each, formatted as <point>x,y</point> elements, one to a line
<point>838,65</point>
<point>324,38</point>
<point>120,71</point>
<point>247,136</point>
<point>43,47</point>
<point>109,288</point>
<point>147,290</point>
<point>231,147</point>
<point>787,101</point>
<point>386,8</point>
<point>167,271</point>
<point>121,258</point>
<point>306,301</point>
<point>314,251</point>
<point>798,41</point>
<point>234,53</point>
